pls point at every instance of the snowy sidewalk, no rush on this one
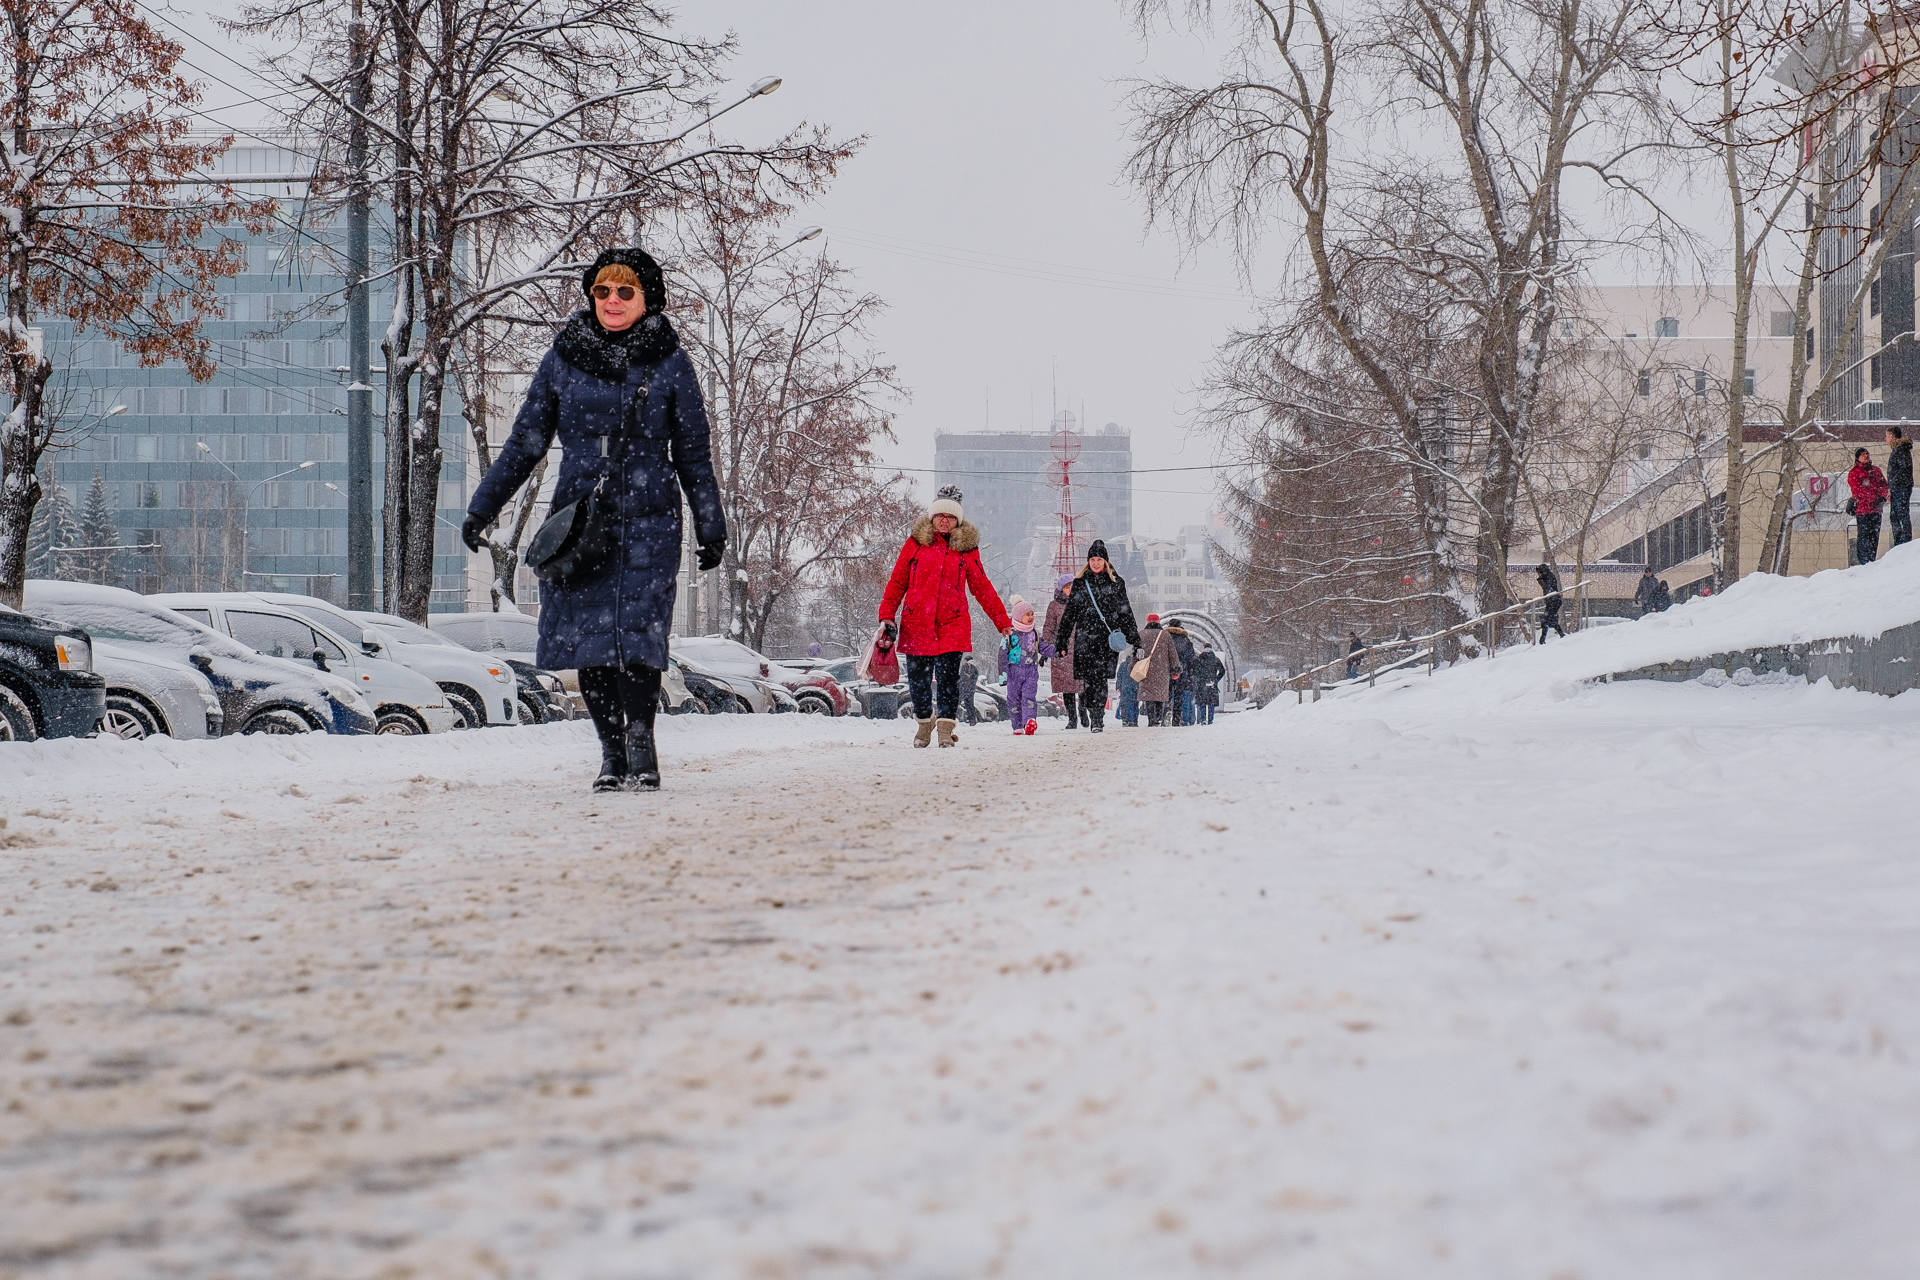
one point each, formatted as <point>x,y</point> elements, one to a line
<point>1603,982</point>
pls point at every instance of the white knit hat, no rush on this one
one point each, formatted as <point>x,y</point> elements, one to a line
<point>946,502</point>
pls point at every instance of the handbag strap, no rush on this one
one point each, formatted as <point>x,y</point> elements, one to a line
<point>1096,606</point>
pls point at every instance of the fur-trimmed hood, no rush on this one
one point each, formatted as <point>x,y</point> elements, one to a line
<point>965,536</point>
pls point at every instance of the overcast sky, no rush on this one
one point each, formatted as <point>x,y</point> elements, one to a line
<point>987,209</point>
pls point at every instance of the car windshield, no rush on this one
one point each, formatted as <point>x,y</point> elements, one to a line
<point>332,619</point>
<point>842,670</point>
<point>486,632</point>
<point>719,651</point>
<point>402,630</point>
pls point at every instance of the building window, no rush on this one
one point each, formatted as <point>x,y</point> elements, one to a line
<point>233,448</point>
<point>277,495</point>
<point>320,448</point>
<point>1873,297</point>
<point>1809,344</point>
<point>146,494</point>
<point>1873,371</point>
<point>1746,383</point>
<point>1782,324</point>
<point>1666,327</point>
<point>1646,383</point>
<point>146,448</point>
<point>317,542</point>
<point>277,448</point>
<point>1700,383</point>
<point>273,542</point>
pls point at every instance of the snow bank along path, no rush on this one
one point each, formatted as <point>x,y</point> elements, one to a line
<point>1622,982</point>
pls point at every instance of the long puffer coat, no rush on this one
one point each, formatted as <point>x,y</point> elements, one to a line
<point>1205,678</point>
<point>1163,663</point>
<point>589,386</point>
<point>931,578</point>
<point>1090,599</point>
<point>1060,672</point>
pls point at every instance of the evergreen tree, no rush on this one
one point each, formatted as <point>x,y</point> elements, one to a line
<point>54,526</point>
<point>97,529</point>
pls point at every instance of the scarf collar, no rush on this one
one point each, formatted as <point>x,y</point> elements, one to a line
<point>1027,628</point>
<point>591,349</point>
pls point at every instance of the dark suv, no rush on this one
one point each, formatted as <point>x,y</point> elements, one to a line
<point>48,688</point>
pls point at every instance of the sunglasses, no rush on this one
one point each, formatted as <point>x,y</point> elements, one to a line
<point>604,291</point>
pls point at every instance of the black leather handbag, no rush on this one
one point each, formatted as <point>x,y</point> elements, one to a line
<point>575,543</point>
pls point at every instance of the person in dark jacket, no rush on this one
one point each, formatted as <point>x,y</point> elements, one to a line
<point>969,688</point>
<point>1644,593</point>
<point>1180,696</point>
<point>1207,673</point>
<point>1354,647</point>
<point>1900,485</point>
<point>1662,596</point>
<point>616,382</point>
<point>1869,489</point>
<point>1550,601</point>
<point>1096,606</point>
<point>1060,675</point>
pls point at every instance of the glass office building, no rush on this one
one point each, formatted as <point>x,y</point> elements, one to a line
<point>241,482</point>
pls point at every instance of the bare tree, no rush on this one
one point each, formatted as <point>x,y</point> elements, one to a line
<point>1518,98</point>
<point>106,217</point>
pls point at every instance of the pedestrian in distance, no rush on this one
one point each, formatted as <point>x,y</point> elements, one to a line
<point>1662,596</point>
<point>969,690</point>
<point>1354,648</point>
<point>1900,485</point>
<point>938,565</point>
<point>1180,696</point>
<point>1162,664</point>
<point>1644,593</point>
<point>1549,601</point>
<point>1060,678</point>
<point>1126,701</point>
<point>1208,671</point>
<point>624,402</point>
<point>1021,654</point>
<point>1099,619</point>
<point>1869,488</point>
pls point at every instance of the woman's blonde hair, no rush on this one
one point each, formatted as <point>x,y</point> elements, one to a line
<point>617,273</point>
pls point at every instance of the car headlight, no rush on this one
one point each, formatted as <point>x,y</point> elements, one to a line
<point>74,653</point>
<point>502,674</point>
<point>347,694</point>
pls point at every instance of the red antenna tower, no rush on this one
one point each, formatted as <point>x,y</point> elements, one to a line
<point>1066,448</point>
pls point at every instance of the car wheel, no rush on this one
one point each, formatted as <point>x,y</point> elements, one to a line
<point>127,717</point>
<point>16,721</point>
<point>395,720</point>
<point>815,704</point>
<point>531,712</point>
<point>278,720</point>
<point>468,714</point>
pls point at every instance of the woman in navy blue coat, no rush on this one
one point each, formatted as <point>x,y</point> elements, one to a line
<point>616,373</point>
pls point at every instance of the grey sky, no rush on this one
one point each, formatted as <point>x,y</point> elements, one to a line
<point>987,209</point>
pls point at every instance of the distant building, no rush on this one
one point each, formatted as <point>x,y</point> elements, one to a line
<point>1004,478</point>
<point>1164,574</point>
<point>212,475</point>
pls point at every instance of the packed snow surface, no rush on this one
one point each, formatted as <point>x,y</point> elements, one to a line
<point>1616,981</point>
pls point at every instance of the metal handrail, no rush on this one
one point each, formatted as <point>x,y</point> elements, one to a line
<point>1372,651</point>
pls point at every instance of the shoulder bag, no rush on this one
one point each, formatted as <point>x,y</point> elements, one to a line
<point>574,542</point>
<point>1116,640</point>
<point>1144,668</point>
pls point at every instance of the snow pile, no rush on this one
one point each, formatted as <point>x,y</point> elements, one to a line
<point>1759,611</point>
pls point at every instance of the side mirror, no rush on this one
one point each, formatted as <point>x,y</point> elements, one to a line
<point>201,658</point>
<point>371,648</point>
<point>320,659</point>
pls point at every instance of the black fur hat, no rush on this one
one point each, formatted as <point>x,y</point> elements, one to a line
<point>653,282</point>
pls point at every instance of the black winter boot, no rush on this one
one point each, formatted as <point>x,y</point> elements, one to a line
<point>613,761</point>
<point>643,758</point>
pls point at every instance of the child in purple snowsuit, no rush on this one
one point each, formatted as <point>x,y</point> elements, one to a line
<point>1020,656</point>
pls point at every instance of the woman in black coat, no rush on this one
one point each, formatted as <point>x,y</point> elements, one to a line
<point>616,382</point>
<point>1097,605</point>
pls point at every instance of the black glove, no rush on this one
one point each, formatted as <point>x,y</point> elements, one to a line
<point>472,532</point>
<point>711,553</point>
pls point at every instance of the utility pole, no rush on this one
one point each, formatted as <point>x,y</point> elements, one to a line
<point>360,560</point>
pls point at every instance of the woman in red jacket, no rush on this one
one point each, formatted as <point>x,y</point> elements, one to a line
<point>938,565</point>
<point>1869,494</point>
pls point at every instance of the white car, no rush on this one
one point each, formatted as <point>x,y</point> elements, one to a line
<point>148,696</point>
<point>423,646</point>
<point>404,701</point>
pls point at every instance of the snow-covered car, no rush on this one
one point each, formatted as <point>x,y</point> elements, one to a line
<point>480,687</point>
<point>430,638</point>
<point>48,687</point>
<point>752,695</point>
<point>149,696</point>
<point>706,694</point>
<point>512,636</point>
<point>257,694</point>
<point>404,702</point>
<point>814,691</point>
